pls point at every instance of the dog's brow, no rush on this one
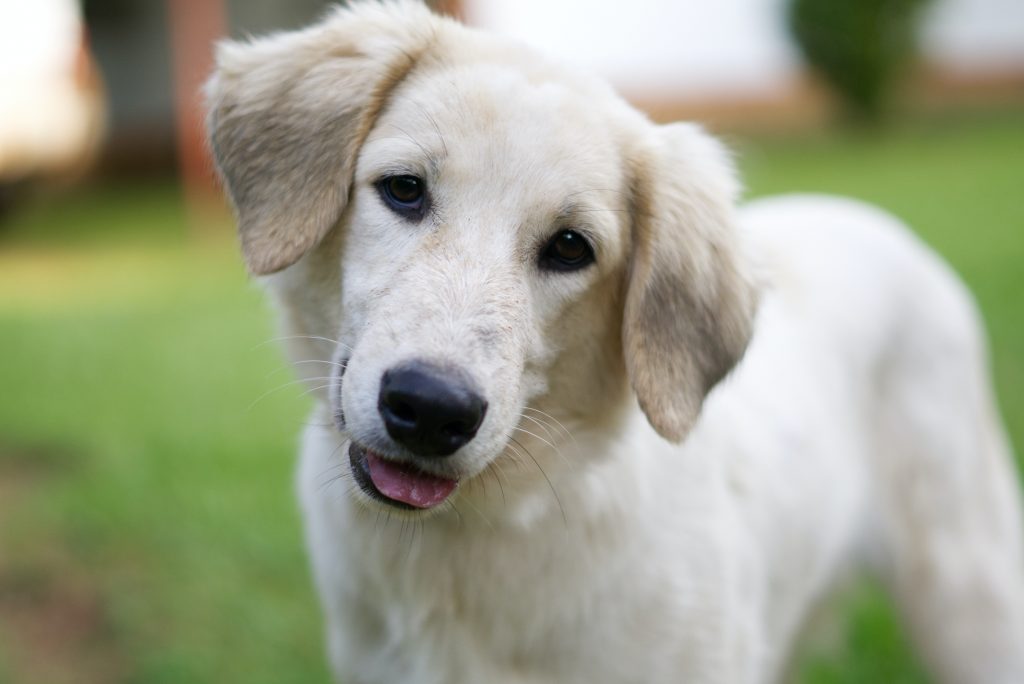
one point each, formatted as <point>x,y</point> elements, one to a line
<point>432,158</point>
<point>580,215</point>
<point>571,211</point>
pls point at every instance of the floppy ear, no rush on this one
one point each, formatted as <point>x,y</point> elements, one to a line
<point>288,113</point>
<point>689,303</point>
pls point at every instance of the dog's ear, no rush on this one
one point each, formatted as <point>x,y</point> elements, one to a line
<point>689,303</point>
<point>288,113</point>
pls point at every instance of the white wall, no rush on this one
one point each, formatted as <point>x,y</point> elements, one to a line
<point>715,47</point>
<point>976,35</point>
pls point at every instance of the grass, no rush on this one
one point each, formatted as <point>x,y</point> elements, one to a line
<point>147,523</point>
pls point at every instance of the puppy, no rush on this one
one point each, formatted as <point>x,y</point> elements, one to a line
<point>580,418</point>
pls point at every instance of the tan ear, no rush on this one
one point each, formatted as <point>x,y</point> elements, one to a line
<point>689,304</point>
<point>288,113</point>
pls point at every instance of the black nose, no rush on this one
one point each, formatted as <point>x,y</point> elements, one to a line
<point>429,409</point>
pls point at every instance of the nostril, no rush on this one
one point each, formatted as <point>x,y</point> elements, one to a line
<point>401,410</point>
<point>456,429</point>
<point>469,421</point>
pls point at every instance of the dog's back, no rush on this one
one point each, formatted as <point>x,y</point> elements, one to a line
<point>925,464</point>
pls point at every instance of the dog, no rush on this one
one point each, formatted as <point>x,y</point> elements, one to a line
<point>580,416</point>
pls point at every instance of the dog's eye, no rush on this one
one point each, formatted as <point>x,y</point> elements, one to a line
<point>566,251</point>
<point>404,194</point>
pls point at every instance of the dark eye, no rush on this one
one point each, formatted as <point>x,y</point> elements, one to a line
<point>566,251</point>
<point>404,194</point>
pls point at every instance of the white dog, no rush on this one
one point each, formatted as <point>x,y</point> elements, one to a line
<point>585,420</point>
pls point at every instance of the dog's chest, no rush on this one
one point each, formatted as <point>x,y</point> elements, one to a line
<point>531,605</point>
<point>517,608</point>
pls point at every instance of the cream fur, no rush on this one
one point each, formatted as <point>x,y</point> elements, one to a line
<point>856,431</point>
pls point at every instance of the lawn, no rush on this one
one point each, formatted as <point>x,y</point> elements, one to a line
<point>148,531</point>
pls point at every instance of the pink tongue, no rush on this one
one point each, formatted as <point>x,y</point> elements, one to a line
<point>406,484</point>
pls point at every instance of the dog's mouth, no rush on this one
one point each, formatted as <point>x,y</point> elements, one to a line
<point>399,484</point>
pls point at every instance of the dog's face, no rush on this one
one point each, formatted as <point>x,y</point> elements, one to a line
<point>494,247</point>
<point>470,258</point>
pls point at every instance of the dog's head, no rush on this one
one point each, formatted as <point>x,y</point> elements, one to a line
<point>486,249</point>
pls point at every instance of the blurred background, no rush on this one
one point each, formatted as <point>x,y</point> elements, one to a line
<point>148,531</point>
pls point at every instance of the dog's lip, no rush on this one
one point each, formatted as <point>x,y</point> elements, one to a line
<point>399,484</point>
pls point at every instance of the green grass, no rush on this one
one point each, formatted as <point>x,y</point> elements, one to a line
<point>143,501</point>
<point>125,410</point>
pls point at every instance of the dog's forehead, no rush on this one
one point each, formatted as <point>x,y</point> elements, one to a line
<point>506,123</point>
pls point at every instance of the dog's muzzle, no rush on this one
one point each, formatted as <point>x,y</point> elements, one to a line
<point>430,411</point>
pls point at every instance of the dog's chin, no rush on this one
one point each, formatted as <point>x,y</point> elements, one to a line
<point>400,485</point>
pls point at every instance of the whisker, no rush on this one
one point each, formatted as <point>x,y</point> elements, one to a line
<point>413,140</point>
<point>285,385</point>
<point>316,389</point>
<point>289,365</point>
<point>518,461</point>
<point>554,448</point>
<point>561,508</point>
<point>344,473</point>
<point>535,436</point>
<point>483,483</point>
<point>341,445</point>
<point>333,363</point>
<point>437,129</point>
<point>495,469</point>
<point>457,512</point>
<point>544,426</point>
<point>333,466</point>
<point>416,524</point>
<point>300,337</point>
<point>331,480</point>
<point>480,513</point>
<point>552,419</point>
<point>353,490</point>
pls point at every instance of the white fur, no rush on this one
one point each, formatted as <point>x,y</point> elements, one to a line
<point>858,430</point>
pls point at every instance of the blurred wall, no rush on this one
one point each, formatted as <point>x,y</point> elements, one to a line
<point>730,47</point>
<point>643,45</point>
<point>976,36</point>
<point>262,16</point>
<point>132,44</point>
